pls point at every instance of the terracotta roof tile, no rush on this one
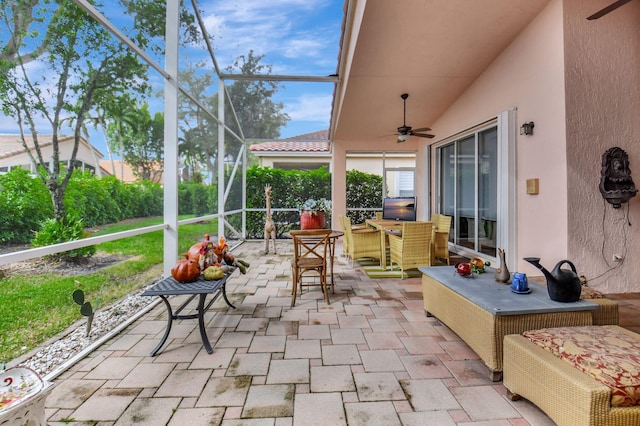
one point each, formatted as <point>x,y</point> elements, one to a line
<point>284,146</point>
<point>11,145</point>
<point>308,142</point>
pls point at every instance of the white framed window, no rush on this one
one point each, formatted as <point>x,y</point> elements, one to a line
<point>400,182</point>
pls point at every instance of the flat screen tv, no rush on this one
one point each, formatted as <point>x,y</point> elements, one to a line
<point>400,208</point>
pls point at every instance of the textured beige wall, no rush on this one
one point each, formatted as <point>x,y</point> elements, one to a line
<point>528,75</point>
<point>603,111</point>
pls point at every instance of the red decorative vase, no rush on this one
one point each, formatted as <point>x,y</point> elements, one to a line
<point>312,221</point>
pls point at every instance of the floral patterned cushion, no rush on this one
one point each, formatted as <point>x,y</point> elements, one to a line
<point>606,353</point>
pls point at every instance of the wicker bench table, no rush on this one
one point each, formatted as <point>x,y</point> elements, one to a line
<point>481,311</point>
<point>567,395</point>
<point>201,288</point>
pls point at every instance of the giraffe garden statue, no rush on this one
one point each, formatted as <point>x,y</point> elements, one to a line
<point>269,225</point>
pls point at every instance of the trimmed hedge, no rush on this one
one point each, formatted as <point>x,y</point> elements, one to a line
<point>25,203</point>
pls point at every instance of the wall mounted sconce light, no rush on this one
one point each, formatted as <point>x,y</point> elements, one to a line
<point>527,128</point>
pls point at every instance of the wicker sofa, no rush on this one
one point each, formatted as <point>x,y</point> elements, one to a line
<point>483,330</point>
<point>567,395</point>
<point>606,314</point>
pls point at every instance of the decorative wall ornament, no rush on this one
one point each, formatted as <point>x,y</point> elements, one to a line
<point>616,184</point>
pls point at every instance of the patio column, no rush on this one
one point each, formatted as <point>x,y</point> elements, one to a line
<point>171,138</point>
<point>221,101</point>
<point>338,183</point>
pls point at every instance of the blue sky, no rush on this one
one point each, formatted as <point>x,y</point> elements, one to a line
<point>296,37</point>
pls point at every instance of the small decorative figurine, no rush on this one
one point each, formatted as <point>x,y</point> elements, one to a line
<point>463,269</point>
<point>502,273</point>
<point>269,225</point>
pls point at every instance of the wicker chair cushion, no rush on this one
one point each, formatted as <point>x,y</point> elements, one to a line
<point>609,356</point>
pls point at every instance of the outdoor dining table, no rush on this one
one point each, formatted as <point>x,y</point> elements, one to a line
<point>384,225</point>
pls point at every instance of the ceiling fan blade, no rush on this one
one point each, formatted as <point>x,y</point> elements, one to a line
<point>422,129</point>
<point>423,135</point>
<point>613,6</point>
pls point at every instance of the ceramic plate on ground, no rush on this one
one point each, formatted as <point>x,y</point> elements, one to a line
<point>18,384</point>
<point>527,291</point>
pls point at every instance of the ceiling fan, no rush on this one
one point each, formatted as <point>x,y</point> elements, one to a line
<point>613,6</point>
<point>404,131</point>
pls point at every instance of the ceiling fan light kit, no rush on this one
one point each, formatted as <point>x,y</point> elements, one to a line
<point>405,132</point>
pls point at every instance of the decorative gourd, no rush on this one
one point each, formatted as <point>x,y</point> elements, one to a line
<point>186,270</point>
<point>213,273</point>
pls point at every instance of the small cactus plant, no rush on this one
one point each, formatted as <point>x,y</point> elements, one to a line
<point>85,307</point>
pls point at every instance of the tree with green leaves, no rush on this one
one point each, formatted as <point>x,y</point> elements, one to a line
<point>60,69</point>
<point>250,100</point>
<point>142,139</point>
<point>259,116</point>
<point>71,66</point>
<point>198,140</point>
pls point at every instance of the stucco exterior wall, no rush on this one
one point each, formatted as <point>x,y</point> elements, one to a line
<point>603,111</point>
<point>529,76</point>
<point>270,161</point>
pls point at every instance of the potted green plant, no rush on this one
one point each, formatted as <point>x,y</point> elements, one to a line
<point>312,213</point>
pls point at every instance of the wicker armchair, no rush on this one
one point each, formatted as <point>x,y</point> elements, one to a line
<point>347,237</point>
<point>413,248</point>
<point>440,237</point>
<point>362,242</point>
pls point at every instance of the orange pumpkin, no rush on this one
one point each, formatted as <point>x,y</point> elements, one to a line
<point>186,270</point>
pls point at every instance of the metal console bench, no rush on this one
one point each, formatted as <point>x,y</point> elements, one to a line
<point>201,288</point>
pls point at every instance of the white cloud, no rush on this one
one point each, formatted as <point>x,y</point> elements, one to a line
<point>308,107</point>
<point>279,29</point>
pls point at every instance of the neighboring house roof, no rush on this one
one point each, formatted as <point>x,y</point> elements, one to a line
<point>13,153</point>
<point>11,145</point>
<point>123,171</point>
<point>308,143</point>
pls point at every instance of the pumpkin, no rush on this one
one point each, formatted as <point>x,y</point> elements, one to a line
<point>186,270</point>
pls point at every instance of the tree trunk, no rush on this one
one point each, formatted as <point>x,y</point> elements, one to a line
<point>57,197</point>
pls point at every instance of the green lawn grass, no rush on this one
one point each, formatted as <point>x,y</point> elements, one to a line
<point>34,308</point>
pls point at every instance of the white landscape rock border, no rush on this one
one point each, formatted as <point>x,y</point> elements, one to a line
<point>54,358</point>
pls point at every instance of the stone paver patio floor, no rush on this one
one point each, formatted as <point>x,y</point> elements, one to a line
<point>371,357</point>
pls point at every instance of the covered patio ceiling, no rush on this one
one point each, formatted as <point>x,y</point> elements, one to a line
<point>431,49</point>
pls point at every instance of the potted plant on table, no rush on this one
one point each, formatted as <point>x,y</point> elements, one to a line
<point>312,213</point>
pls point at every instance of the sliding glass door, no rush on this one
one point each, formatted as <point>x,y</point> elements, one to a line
<point>468,188</point>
